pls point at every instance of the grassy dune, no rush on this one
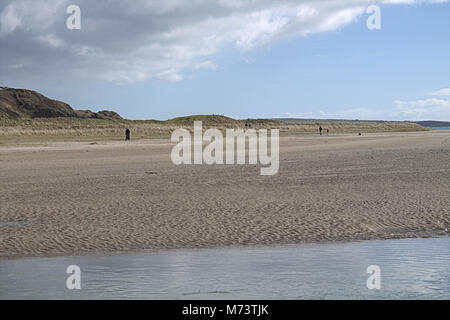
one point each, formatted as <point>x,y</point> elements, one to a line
<point>88,129</point>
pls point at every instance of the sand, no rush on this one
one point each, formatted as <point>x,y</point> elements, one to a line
<point>72,198</point>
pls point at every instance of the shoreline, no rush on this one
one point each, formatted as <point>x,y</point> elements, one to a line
<point>70,199</point>
<point>220,248</point>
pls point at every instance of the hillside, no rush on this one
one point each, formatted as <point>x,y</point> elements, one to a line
<point>28,115</point>
<point>28,104</point>
<point>221,121</point>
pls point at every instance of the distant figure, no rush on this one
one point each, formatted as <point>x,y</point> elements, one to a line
<point>127,134</point>
<point>328,131</point>
<point>320,130</point>
<point>359,134</point>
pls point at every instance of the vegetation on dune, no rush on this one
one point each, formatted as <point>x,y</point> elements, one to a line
<point>221,121</point>
<point>26,114</point>
<point>206,120</point>
<point>84,129</point>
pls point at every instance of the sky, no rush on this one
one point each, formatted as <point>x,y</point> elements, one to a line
<point>241,58</point>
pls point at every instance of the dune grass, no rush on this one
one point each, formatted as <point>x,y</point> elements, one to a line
<point>98,129</point>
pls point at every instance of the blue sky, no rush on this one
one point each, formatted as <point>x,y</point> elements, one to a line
<point>347,72</point>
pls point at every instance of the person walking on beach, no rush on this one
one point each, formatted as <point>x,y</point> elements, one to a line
<point>320,130</point>
<point>127,134</point>
<point>328,131</point>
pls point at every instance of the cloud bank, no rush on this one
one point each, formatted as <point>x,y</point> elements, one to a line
<point>425,109</point>
<point>132,41</point>
<point>412,110</point>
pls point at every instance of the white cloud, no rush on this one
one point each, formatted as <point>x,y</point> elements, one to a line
<point>51,40</point>
<point>9,20</point>
<point>425,109</point>
<point>412,110</point>
<point>441,92</point>
<point>129,41</point>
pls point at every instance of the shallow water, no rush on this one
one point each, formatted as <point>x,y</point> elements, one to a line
<point>440,128</point>
<point>410,269</point>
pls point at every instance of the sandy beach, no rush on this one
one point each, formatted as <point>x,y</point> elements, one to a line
<point>70,198</point>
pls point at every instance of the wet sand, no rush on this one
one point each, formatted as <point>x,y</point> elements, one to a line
<point>71,198</point>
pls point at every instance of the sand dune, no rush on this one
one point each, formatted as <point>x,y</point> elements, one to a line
<point>79,198</point>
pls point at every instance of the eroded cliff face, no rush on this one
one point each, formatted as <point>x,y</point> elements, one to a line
<point>28,104</point>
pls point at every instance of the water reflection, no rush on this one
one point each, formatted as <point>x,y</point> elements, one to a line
<point>411,269</point>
